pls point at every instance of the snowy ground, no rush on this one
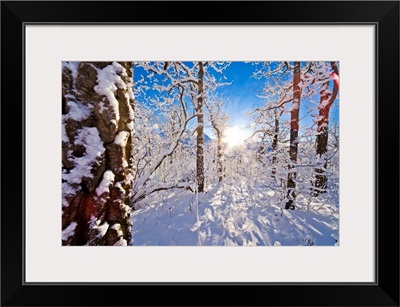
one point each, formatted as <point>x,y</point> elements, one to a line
<point>232,213</point>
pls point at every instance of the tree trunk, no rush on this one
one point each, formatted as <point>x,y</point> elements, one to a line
<point>275,143</point>
<point>98,110</point>
<point>260,154</point>
<point>322,139</point>
<point>326,101</point>
<point>294,133</point>
<point>200,135</point>
<point>219,156</point>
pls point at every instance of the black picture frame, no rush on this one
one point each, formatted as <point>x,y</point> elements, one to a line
<point>383,14</point>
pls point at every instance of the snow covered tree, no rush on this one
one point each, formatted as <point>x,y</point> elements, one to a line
<point>182,89</point>
<point>277,94</point>
<point>277,116</point>
<point>218,118</point>
<point>326,101</point>
<point>200,129</point>
<point>267,129</point>
<point>97,144</point>
<point>289,82</point>
<point>294,134</point>
<point>270,120</point>
<point>201,83</point>
<point>163,123</point>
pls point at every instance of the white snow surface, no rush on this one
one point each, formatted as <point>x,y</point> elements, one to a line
<point>104,186</point>
<point>88,137</point>
<point>117,228</point>
<point>121,138</point>
<point>73,67</point>
<point>69,231</point>
<point>101,229</point>
<point>64,135</point>
<point>108,81</point>
<point>232,213</point>
<point>78,111</point>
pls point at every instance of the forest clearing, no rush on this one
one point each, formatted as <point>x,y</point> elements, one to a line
<point>200,153</point>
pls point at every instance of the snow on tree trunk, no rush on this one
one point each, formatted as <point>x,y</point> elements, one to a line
<point>98,114</point>
<point>218,118</point>
<point>275,141</point>
<point>322,139</point>
<point>200,135</point>
<point>294,133</point>
<point>219,156</point>
<point>326,101</point>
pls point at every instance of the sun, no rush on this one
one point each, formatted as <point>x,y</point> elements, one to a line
<point>234,136</point>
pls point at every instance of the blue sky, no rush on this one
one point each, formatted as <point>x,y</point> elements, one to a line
<point>244,90</point>
<point>243,94</point>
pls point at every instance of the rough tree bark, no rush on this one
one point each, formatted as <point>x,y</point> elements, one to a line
<point>260,154</point>
<point>217,120</point>
<point>219,155</point>
<point>200,128</point>
<point>294,134</point>
<point>326,101</point>
<point>277,115</point>
<point>98,110</point>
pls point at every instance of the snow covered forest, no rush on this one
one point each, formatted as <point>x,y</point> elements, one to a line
<point>200,153</point>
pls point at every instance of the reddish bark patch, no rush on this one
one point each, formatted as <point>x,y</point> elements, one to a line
<point>114,205</point>
<point>335,77</point>
<point>88,207</point>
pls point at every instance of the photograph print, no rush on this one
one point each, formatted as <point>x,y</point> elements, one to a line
<point>202,153</point>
